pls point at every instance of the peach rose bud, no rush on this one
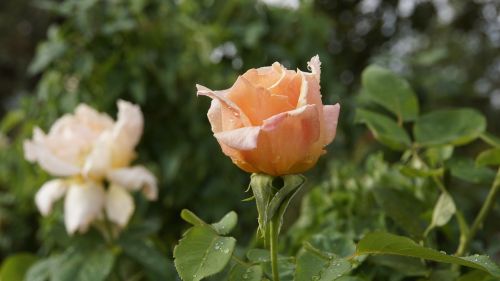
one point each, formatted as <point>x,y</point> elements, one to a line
<point>272,120</point>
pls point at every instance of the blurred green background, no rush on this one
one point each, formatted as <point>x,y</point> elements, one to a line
<point>56,54</point>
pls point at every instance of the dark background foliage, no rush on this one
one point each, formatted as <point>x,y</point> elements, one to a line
<point>56,54</point>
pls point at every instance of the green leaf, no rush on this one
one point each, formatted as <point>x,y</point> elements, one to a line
<point>389,244</point>
<point>489,157</point>
<point>286,265</point>
<point>48,51</point>
<point>286,269</point>
<point>405,265</point>
<point>258,255</point>
<point>422,172</point>
<point>449,127</point>
<point>75,263</point>
<point>39,271</point>
<point>467,170</point>
<point>151,259</point>
<point>384,129</point>
<point>11,120</point>
<point>202,253</point>
<point>247,273</point>
<point>331,241</point>
<point>312,264</point>
<point>443,211</point>
<point>402,207</point>
<point>15,267</point>
<point>261,255</point>
<point>67,265</point>
<point>191,218</point>
<point>475,275</point>
<point>390,91</point>
<point>443,275</point>
<point>438,154</point>
<point>97,266</point>
<point>226,224</point>
<point>223,227</point>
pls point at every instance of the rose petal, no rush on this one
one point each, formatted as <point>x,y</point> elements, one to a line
<point>267,76</point>
<point>232,116</point>
<point>238,158</point>
<point>83,204</point>
<point>315,66</point>
<point>70,138</point>
<point>99,160</point>
<point>331,116</point>
<point>93,119</point>
<point>36,150</point>
<point>286,141</point>
<point>119,205</point>
<point>49,193</point>
<point>288,86</point>
<point>242,139</point>
<point>135,178</point>
<point>129,124</point>
<point>126,133</point>
<point>257,102</point>
<point>215,116</point>
<point>309,91</point>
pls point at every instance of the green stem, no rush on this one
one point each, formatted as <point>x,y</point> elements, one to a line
<point>312,249</point>
<point>240,261</point>
<point>439,183</point>
<point>108,231</point>
<point>490,139</point>
<point>273,246</point>
<point>483,213</point>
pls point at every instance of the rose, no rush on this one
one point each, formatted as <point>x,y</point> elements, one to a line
<point>272,119</point>
<point>86,148</point>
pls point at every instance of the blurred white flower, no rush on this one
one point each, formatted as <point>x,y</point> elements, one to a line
<point>86,148</point>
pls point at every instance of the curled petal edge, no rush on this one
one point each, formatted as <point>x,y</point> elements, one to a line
<point>219,95</point>
<point>241,139</point>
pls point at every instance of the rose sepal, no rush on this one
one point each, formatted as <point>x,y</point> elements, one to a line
<point>272,200</point>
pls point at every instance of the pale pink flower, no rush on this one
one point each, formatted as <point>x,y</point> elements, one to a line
<point>86,148</point>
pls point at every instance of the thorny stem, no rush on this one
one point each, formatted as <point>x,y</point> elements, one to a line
<point>483,213</point>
